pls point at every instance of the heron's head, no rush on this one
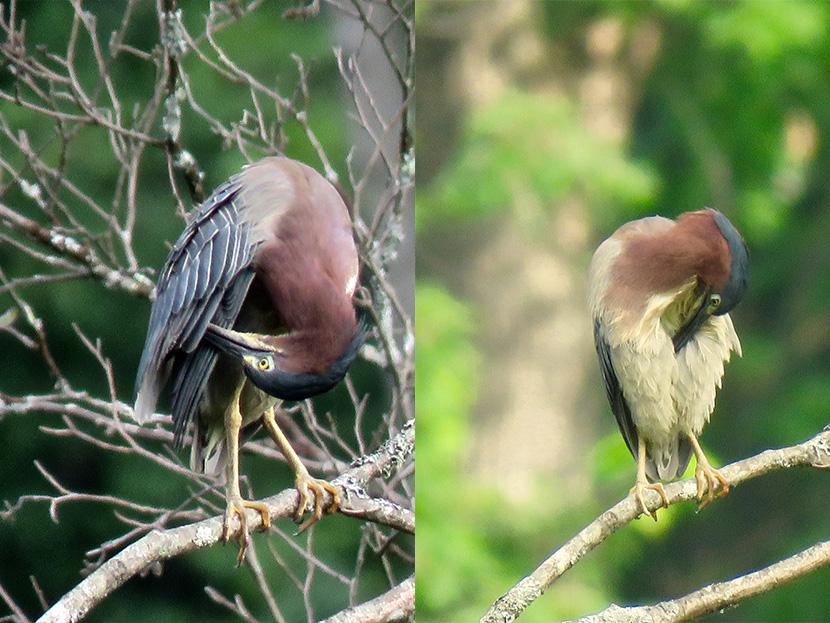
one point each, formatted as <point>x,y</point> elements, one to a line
<point>723,272</point>
<point>730,290</point>
<point>286,369</point>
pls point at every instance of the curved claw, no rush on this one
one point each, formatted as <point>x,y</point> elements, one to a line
<point>237,507</point>
<point>710,484</point>
<point>637,492</point>
<point>306,487</point>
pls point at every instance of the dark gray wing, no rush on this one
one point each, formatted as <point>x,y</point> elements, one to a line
<point>192,369</point>
<point>204,279</point>
<point>612,388</point>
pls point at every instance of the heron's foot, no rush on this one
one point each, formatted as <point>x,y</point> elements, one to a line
<point>307,488</point>
<point>637,492</point>
<point>710,484</point>
<point>236,506</point>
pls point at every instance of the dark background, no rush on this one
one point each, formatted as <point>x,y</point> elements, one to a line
<point>261,42</point>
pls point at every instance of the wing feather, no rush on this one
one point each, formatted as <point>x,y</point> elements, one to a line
<point>192,371</point>
<point>616,399</point>
<point>203,268</point>
<point>221,256</point>
<point>204,279</point>
<point>190,375</point>
<point>196,323</point>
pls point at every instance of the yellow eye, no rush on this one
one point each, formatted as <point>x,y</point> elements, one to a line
<point>714,302</point>
<point>264,364</point>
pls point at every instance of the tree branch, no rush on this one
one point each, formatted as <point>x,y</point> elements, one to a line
<point>17,613</point>
<point>394,606</point>
<point>161,545</point>
<point>59,223</point>
<point>380,511</point>
<point>814,452</point>
<point>721,594</point>
<point>136,284</point>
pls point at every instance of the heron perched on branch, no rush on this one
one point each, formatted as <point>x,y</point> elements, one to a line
<point>660,292</point>
<point>253,306</point>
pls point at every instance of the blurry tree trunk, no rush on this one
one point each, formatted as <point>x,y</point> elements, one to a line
<point>525,270</point>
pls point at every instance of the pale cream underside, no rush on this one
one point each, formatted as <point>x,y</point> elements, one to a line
<point>669,395</point>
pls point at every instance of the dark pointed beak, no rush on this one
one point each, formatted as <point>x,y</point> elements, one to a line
<point>231,342</point>
<point>685,333</point>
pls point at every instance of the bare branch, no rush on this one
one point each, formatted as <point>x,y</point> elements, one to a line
<point>394,606</point>
<point>17,613</point>
<point>136,283</point>
<point>380,511</point>
<point>814,452</point>
<point>303,12</point>
<point>174,46</point>
<point>237,606</point>
<point>161,545</point>
<point>720,595</point>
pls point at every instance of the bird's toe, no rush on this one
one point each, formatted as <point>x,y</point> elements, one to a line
<point>638,489</point>
<point>307,488</point>
<point>236,508</point>
<point>710,484</point>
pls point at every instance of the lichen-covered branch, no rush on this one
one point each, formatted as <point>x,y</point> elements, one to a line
<point>721,594</point>
<point>814,452</point>
<point>394,606</point>
<point>135,284</point>
<point>161,545</point>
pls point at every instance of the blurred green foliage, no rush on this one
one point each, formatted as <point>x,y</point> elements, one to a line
<point>446,364</point>
<point>732,112</point>
<point>507,148</point>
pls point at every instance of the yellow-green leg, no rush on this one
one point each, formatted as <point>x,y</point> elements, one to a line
<point>710,482</point>
<point>643,483</point>
<point>236,505</point>
<point>305,484</point>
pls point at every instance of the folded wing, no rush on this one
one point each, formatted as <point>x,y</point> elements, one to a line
<point>204,280</point>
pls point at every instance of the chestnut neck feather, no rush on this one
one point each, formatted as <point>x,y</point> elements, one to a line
<point>305,264</point>
<point>313,308</point>
<point>664,261</point>
<point>312,322</point>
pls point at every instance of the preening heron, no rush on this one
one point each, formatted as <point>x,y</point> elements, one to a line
<point>253,306</point>
<point>660,292</point>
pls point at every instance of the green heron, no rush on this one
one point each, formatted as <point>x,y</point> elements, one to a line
<point>253,306</point>
<point>660,292</point>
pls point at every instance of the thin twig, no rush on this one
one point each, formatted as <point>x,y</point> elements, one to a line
<point>136,284</point>
<point>20,617</point>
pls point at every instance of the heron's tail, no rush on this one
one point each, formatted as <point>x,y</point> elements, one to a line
<point>208,454</point>
<point>147,396</point>
<point>151,378</point>
<point>668,462</point>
